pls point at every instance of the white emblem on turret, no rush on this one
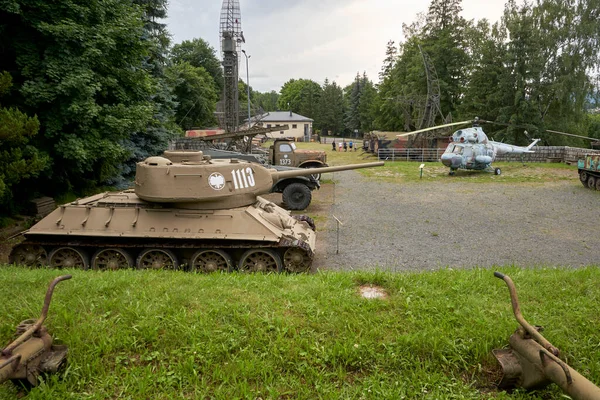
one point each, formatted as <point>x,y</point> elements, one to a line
<point>216,181</point>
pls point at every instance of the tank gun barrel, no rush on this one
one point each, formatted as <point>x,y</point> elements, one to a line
<point>277,175</point>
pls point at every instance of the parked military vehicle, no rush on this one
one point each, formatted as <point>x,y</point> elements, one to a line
<point>32,352</point>
<point>532,362</point>
<point>186,211</point>
<point>589,171</point>
<point>295,191</point>
<point>282,152</point>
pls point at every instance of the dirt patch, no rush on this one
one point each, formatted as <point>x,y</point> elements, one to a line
<point>372,292</point>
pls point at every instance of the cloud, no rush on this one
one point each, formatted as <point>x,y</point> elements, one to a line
<point>312,39</point>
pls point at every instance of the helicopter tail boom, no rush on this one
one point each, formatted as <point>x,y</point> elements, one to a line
<point>503,148</point>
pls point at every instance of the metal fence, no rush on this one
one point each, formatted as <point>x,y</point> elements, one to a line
<point>541,154</point>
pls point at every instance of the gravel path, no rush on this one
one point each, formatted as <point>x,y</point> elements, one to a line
<point>420,226</point>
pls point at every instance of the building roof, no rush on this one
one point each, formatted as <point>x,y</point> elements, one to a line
<point>283,116</point>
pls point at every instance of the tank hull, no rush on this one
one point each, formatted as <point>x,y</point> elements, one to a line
<point>116,230</point>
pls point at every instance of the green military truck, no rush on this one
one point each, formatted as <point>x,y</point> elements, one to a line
<point>284,152</point>
<point>589,171</point>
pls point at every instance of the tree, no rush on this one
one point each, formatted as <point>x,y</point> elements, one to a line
<point>443,41</point>
<point>267,101</point>
<point>352,97</point>
<point>19,160</point>
<point>331,106</point>
<point>198,53</point>
<point>366,105</point>
<point>195,93</point>
<point>300,96</point>
<point>162,128</point>
<point>81,68</point>
<point>391,54</point>
<point>486,70</point>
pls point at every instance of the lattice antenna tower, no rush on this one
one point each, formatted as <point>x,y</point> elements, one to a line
<point>231,23</point>
<point>232,37</point>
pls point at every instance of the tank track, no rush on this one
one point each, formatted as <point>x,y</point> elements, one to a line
<point>287,255</point>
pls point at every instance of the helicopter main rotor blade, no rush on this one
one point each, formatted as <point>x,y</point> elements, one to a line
<point>545,130</point>
<point>570,134</point>
<point>434,127</point>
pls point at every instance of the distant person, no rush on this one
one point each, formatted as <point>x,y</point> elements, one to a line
<point>333,145</point>
<point>350,145</point>
<point>340,146</point>
<point>345,146</point>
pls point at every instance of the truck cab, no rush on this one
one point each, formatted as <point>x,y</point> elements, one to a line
<point>284,152</point>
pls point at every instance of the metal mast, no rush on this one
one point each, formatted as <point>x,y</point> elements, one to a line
<point>430,108</point>
<point>231,35</point>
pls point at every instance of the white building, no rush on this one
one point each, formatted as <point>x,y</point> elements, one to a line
<point>300,127</point>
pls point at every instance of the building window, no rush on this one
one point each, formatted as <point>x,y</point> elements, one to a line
<point>268,125</point>
<point>281,132</point>
<point>294,126</point>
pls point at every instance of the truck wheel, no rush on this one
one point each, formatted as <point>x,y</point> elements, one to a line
<point>316,176</point>
<point>296,196</point>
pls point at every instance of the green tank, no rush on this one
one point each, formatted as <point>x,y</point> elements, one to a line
<point>187,212</point>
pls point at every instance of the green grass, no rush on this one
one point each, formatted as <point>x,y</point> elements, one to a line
<point>165,335</point>
<point>407,171</point>
<point>512,172</point>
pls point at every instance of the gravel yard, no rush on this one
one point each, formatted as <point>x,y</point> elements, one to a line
<point>422,226</point>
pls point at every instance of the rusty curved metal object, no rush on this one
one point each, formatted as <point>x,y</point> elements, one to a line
<point>32,352</point>
<point>517,311</point>
<point>532,361</point>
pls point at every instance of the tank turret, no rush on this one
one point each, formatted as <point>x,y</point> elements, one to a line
<point>185,212</point>
<point>203,183</point>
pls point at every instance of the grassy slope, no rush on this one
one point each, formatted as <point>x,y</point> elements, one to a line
<point>169,335</point>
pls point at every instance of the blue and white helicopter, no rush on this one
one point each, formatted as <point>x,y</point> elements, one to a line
<point>470,148</point>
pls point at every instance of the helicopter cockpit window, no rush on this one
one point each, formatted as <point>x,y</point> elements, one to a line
<point>457,150</point>
<point>285,148</point>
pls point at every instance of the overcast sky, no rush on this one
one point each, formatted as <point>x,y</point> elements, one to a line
<point>311,39</point>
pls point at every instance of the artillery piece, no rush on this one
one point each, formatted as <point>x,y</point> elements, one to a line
<point>32,352</point>
<point>186,211</point>
<point>532,362</point>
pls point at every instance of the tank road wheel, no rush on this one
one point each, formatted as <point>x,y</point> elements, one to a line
<point>111,259</point>
<point>68,257</point>
<point>296,260</point>
<point>211,261</point>
<point>597,184</point>
<point>31,255</point>
<point>260,260</point>
<point>583,177</point>
<point>296,196</point>
<point>157,259</point>
<point>591,182</point>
